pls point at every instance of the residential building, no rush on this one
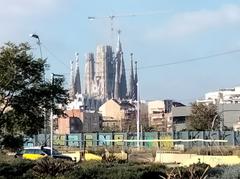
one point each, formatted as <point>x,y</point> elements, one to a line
<point>229,115</point>
<point>118,116</point>
<point>156,115</point>
<point>77,121</point>
<point>179,117</point>
<point>143,114</point>
<point>160,114</point>
<point>222,96</point>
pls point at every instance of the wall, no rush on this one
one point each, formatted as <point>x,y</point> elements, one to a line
<point>93,140</point>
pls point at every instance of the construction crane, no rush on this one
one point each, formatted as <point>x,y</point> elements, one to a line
<point>113,17</point>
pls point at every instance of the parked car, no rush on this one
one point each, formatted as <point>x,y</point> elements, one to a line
<point>34,153</point>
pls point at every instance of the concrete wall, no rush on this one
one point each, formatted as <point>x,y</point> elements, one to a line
<point>188,159</point>
<point>99,139</point>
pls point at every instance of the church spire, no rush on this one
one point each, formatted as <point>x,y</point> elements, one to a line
<point>135,82</point>
<point>77,81</point>
<point>131,80</point>
<point>116,80</point>
<point>120,84</point>
<point>71,82</point>
<point>119,45</point>
<point>123,81</point>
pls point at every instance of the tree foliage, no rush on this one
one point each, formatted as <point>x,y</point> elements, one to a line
<point>24,94</point>
<point>202,116</point>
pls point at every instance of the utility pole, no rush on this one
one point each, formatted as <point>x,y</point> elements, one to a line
<point>138,116</point>
<point>51,114</point>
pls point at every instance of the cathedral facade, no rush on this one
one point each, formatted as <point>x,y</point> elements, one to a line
<point>104,78</point>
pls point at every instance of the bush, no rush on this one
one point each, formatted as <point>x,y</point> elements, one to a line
<point>48,166</point>
<point>15,169</point>
<point>154,171</point>
<point>216,172</point>
<point>231,172</point>
<point>11,142</point>
<point>92,170</point>
<point>89,169</point>
<point>197,171</point>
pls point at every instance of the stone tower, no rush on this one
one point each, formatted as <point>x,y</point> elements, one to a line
<point>104,73</point>
<point>89,74</point>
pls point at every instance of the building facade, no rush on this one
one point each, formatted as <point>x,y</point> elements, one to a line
<point>104,73</point>
<point>118,116</point>
<point>156,115</point>
<point>229,115</point>
<point>105,76</point>
<point>222,96</point>
<point>77,121</point>
<point>89,74</point>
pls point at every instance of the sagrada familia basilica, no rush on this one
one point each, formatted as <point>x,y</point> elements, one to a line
<point>104,78</point>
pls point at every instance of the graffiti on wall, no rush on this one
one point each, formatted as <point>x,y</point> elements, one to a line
<point>150,136</point>
<point>74,140</point>
<point>118,137</point>
<point>166,145</point>
<point>102,139</point>
<point>59,140</point>
<point>94,139</point>
<point>132,136</point>
<point>88,140</point>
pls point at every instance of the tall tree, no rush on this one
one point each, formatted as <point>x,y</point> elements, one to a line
<point>24,94</point>
<point>202,116</point>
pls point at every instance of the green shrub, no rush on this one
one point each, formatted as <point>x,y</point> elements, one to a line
<point>11,142</point>
<point>90,170</point>
<point>16,168</point>
<point>231,172</point>
<point>216,172</point>
<point>48,166</point>
<point>154,171</point>
<point>195,171</point>
<point>110,170</point>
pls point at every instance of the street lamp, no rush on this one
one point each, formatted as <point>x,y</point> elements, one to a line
<point>45,111</point>
<point>138,116</point>
<point>51,114</point>
<point>38,42</point>
<point>222,121</point>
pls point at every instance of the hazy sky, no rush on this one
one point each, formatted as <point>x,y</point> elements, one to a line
<point>162,32</point>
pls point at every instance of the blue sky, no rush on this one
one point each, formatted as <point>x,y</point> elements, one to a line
<point>180,30</point>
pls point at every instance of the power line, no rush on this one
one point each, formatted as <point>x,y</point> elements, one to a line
<point>191,59</point>
<point>51,53</point>
<point>182,61</point>
<point>164,64</point>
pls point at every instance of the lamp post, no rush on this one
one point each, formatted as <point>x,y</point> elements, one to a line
<point>38,42</point>
<point>138,117</point>
<point>45,111</point>
<point>222,122</point>
<point>51,114</point>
